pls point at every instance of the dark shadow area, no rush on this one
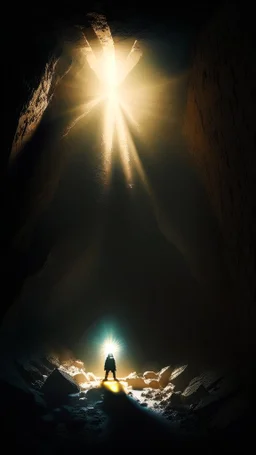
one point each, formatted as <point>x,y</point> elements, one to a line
<point>111,418</point>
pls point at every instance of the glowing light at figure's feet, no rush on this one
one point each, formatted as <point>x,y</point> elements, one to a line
<point>113,386</point>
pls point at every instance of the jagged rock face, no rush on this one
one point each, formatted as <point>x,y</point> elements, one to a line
<point>33,110</point>
<point>220,129</point>
<point>37,87</point>
<point>33,77</point>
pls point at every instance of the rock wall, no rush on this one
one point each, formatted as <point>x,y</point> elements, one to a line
<point>220,130</point>
<point>46,53</point>
<point>33,110</point>
<point>32,88</point>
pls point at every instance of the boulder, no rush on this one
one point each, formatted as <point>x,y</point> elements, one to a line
<point>164,376</point>
<point>168,389</point>
<point>222,391</point>
<point>58,386</point>
<point>204,384</point>
<point>152,383</point>
<point>147,393</point>
<point>182,376</point>
<point>137,383</point>
<point>80,378</point>
<point>29,373</point>
<point>150,375</point>
<point>177,372</point>
<point>158,396</point>
<point>132,375</point>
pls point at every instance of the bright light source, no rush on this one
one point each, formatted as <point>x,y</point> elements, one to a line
<point>112,72</point>
<point>112,96</point>
<point>110,347</point>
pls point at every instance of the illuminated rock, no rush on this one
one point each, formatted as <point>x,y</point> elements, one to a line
<point>136,383</point>
<point>177,371</point>
<point>182,376</point>
<point>194,393</point>
<point>164,375</point>
<point>152,383</point>
<point>168,389</point>
<point>132,375</point>
<point>150,375</point>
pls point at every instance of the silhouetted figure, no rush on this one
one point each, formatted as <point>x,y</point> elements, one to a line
<point>110,365</point>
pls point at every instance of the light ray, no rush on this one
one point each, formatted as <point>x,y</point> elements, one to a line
<point>112,73</point>
<point>91,58</point>
<point>132,60</point>
<point>108,134</point>
<point>123,143</point>
<point>137,163</point>
<point>87,110</point>
<point>127,111</point>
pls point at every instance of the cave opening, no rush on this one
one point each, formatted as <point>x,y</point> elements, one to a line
<point>114,232</point>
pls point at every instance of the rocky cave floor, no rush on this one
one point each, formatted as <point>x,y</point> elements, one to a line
<point>61,407</point>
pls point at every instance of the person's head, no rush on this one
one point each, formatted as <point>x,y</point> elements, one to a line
<point>110,356</point>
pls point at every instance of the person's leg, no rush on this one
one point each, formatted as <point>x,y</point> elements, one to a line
<point>106,375</point>
<point>114,375</point>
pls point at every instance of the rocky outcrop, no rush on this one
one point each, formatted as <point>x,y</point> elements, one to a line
<point>30,88</point>
<point>153,384</point>
<point>164,376</point>
<point>58,386</point>
<point>194,393</point>
<point>137,383</point>
<point>220,130</point>
<point>33,110</point>
<point>150,375</point>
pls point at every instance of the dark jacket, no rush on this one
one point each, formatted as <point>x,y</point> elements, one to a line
<point>110,364</point>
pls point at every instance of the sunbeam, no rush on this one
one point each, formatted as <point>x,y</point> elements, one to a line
<point>88,107</point>
<point>111,73</point>
<point>122,136</point>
